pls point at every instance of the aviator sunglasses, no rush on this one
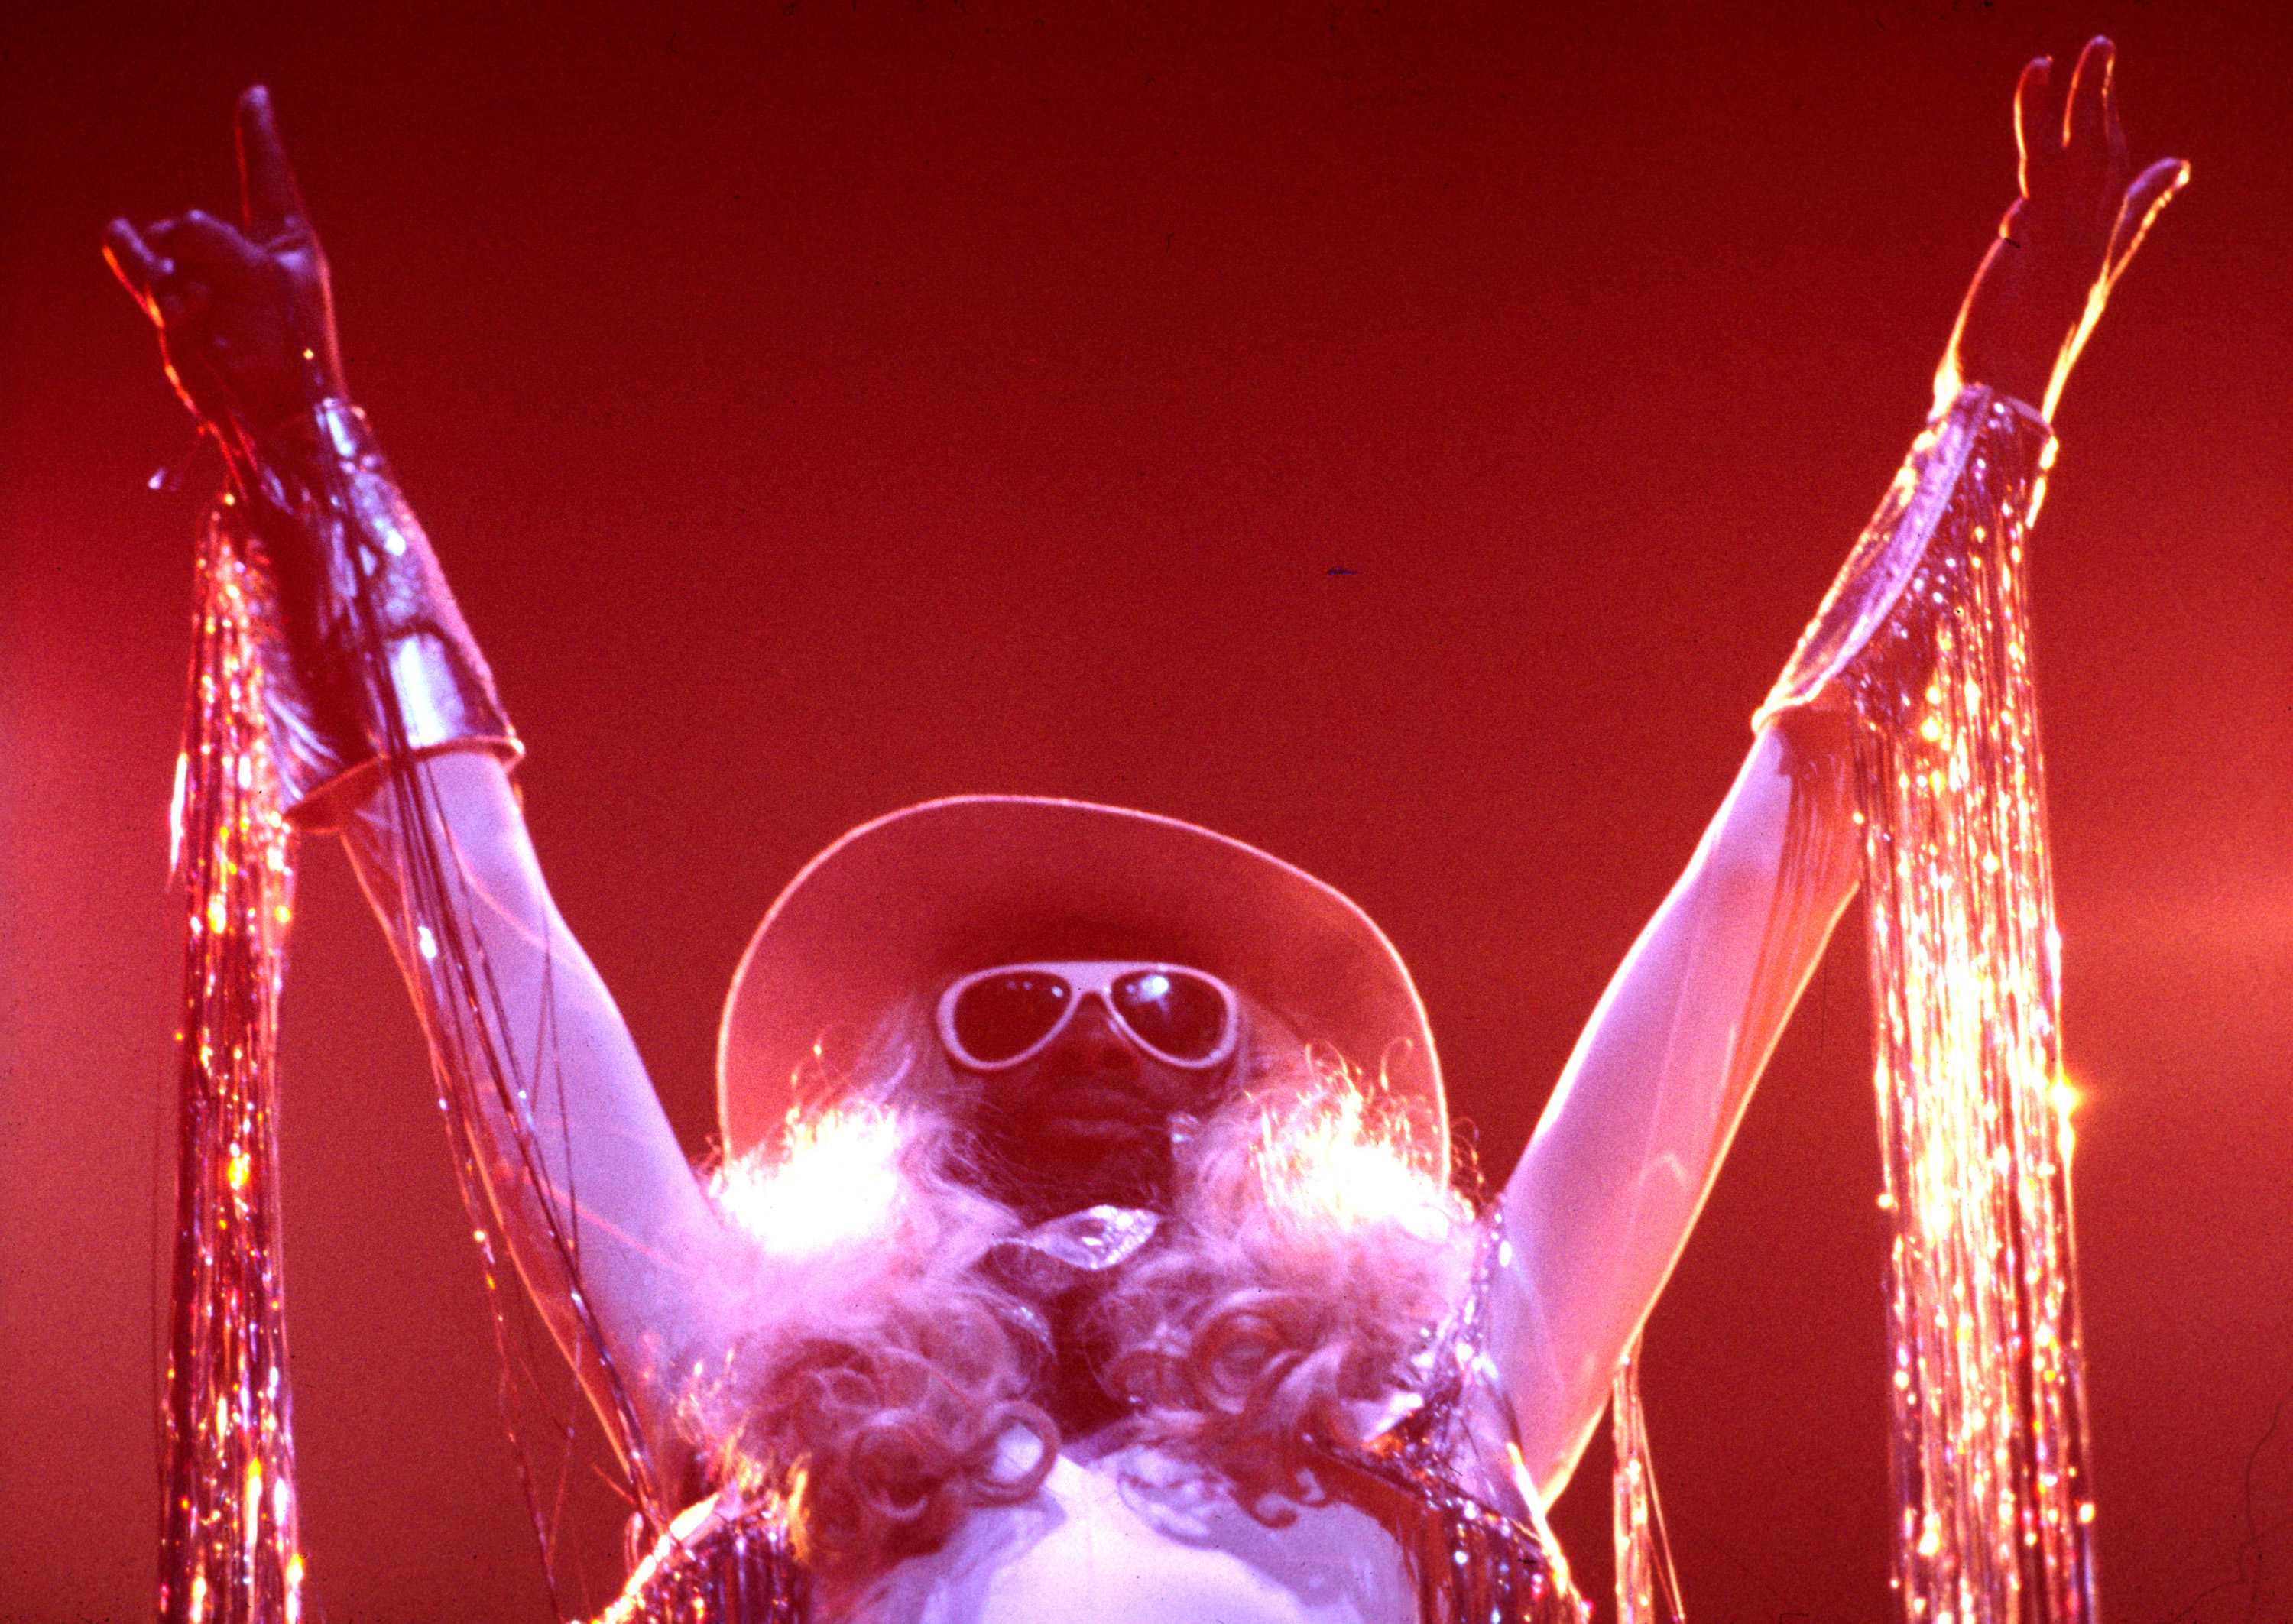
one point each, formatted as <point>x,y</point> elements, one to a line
<point>992,1020</point>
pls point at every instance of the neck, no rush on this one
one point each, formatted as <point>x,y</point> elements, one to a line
<point>1062,1267</point>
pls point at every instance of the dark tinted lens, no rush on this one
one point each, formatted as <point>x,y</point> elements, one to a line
<point>1007,1014</point>
<point>1182,1014</point>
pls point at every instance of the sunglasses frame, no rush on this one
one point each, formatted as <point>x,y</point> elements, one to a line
<point>1086,978</point>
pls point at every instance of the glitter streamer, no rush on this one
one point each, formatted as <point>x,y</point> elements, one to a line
<point>1643,1555</point>
<point>1995,1511</point>
<point>228,1545</point>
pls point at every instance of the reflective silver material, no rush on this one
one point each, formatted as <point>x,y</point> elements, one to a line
<point>348,569</point>
<point>1476,1562</point>
<point>1926,640</point>
<point>1055,1258</point>
<point>1930,487</point>
<point>716,1566</point>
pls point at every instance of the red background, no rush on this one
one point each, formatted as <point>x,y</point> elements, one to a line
<point>822,407</point>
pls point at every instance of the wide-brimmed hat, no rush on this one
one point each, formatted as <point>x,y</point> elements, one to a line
<point>902,905</point>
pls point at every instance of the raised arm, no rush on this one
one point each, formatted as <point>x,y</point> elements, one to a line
<point>578,1154</point>
<point>1603,1198</point>
<point>1619,1167</point>
<point>384,725</point>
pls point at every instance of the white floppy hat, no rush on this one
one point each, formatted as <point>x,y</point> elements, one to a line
<point>907,902</point>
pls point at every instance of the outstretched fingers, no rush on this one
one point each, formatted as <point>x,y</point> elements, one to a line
<point>270,201</point>
<point>2113,129</point>
<point>209,247</point>
<point>2153,190</point>
<point>2084,116</point>
<point>2034,136</point>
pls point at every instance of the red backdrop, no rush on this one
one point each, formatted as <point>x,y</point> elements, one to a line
<point>822,406</point>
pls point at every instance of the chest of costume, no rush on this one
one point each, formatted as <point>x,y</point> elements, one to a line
<point>1132,1537</point>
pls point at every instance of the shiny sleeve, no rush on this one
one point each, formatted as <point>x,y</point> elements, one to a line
<point>366,657</point>
<point>1626,1153</point>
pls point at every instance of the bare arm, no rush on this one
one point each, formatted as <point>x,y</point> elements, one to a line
<point>586,1157</point>
<point>1626,1152</point>
<point>1603,1199</point>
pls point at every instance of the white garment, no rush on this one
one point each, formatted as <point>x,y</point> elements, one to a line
<point>1132,1537</point>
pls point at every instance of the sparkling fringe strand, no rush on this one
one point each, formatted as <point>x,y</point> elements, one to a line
<point>1994,1507</point>
<point>1644,1570</point>
<point>228,1546</point>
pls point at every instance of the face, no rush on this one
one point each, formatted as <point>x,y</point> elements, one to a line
<point>1084,1069</point>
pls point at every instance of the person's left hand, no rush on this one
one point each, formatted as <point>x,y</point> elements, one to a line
<point>2064,242</point>
<point>245,313</point>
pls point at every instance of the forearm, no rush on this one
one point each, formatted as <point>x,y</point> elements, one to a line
<point>366,657</point>
<point>1633,1138</point>
<point>385,722</point>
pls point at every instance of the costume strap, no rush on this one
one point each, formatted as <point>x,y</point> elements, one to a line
<point>1475,1555</point>
<point>725,1561</point>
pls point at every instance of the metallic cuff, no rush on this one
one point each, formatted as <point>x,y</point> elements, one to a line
<point>1980,462</point>
<point>365,658</point>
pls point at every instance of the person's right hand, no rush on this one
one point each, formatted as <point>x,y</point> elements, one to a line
<point>246,319</point>
<point>2081,214</point>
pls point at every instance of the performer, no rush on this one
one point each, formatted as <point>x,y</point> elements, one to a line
<point>1085,1242</point>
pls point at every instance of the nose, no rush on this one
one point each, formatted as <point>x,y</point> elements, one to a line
<point>1093,1039</point>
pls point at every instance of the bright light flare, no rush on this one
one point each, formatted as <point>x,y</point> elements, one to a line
<point>175,799</point>
<point>1339,1167</point>
<point>836,1179</point>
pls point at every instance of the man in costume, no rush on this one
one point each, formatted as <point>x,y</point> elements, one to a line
<point>1086,1241</point>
